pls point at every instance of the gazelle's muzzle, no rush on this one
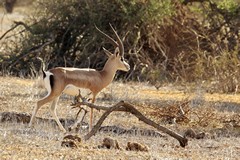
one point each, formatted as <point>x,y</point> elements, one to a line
<point>127,66</point>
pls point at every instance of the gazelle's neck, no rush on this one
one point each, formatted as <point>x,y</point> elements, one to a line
<point>108,72</point>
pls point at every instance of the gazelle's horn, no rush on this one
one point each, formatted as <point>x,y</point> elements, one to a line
<point>119,41</point>
<point>108,37</point>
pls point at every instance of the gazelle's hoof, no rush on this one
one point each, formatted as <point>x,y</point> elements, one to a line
<point>30,125</point>
<point>64,131</point>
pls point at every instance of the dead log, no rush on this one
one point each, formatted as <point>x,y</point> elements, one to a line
<point>127,107</point>
<point>24,118</point>
<point>132,131</point>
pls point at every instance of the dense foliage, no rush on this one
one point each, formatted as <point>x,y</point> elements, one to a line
<point>165,40</point>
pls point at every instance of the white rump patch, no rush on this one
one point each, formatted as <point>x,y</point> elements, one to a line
<point>46,81</point>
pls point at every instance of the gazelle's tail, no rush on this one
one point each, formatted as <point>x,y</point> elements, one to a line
<point>43,67</point>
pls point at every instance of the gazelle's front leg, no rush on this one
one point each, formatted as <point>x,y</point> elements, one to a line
<point>91,113</point>
<point>54,114</point>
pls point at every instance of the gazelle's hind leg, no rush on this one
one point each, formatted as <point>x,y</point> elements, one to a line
<point>47,79</point>
<point>54,114</point>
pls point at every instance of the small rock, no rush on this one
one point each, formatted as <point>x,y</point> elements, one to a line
<point>133,146</point>
<point>71,141</point>
<point>200,135</point>
<point>190,133</point>
<point>72,137</point>
<point>69,144</point>
<point>109,143</point>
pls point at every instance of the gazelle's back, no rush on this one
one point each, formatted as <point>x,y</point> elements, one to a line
<point>80,78</point>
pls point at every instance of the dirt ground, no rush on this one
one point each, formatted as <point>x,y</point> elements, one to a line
<point>18,141</point>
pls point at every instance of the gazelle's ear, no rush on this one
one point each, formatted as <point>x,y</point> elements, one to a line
<point>108,53</point>
<point>116,51</point>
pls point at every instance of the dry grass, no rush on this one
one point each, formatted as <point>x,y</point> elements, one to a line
<point>17,141</point>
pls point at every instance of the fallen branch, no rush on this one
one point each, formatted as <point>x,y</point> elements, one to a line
<point>127,107</point>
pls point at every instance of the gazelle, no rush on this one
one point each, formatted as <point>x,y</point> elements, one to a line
<point>68,80</point>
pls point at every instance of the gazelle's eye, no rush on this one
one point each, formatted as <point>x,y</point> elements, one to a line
<point>122,59</point>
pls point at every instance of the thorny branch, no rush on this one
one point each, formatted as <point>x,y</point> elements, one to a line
<point>76,103</point>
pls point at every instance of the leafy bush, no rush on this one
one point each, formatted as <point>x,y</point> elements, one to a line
<point>69,28</point>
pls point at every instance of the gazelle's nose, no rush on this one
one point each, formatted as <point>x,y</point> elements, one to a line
<point>127,66</point>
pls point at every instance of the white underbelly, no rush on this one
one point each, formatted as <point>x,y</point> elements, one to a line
<point>74,91</point>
